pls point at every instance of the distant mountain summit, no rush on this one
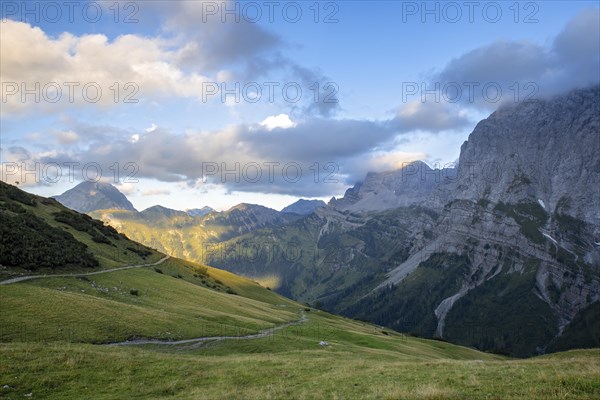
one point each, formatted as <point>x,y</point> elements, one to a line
<point>158,212</point>
<point>303,207</point>
<point>92,196</point>
<point>198,212</point>
<point>244,218</point>
<point>414,183</point>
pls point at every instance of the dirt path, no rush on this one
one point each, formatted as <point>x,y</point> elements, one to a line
<point>199,340</point>
<point>105,271</point>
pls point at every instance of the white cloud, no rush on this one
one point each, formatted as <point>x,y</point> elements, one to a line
<point>527,70</point>
<point>176,63</point>
<point>277,121</point>
<point>354,146</point>
<point>128,189</point>
<point>33,136</point>
<point>141,67</point>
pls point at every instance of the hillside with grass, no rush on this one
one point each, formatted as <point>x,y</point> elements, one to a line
<point>78,290</point>
<point>39,235</point>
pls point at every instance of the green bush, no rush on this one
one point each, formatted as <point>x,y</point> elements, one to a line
<point>10,192</point>
<point>50,202</point>
<point>529,216</point>
<point>28,242</point>
<point>13,207</point>
<point>100,238</point>
<point>84,223</point>
<point>142,252</point>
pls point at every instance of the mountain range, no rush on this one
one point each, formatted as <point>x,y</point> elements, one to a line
<point>501,252</point>
<point>73,290</point>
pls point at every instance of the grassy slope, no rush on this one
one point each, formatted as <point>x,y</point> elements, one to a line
<point>286,364</point>
<point>101,308</point>
<point>362,360</point>
<point>181,235</point>
<point>115,254</point>
<point>71,372</point>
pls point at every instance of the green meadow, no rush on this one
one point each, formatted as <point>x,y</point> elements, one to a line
<point>55,330</point>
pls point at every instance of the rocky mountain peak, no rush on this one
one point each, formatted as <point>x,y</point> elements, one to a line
<point>92,196</point>
<point>198,212</point>
<point>412,184</point>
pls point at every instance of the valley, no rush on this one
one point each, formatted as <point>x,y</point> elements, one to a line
<point>497,254</point>
<point>174,328</point>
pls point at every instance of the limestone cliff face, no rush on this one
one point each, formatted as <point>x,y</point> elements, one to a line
<point>546,150</point>
<point>526,201</point>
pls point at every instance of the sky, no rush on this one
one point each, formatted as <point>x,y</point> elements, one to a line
<point>195,103</point>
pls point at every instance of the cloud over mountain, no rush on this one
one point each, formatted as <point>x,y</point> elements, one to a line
<point>524,69</point>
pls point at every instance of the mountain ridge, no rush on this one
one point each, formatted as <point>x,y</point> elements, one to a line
<point>303,207</point>
<point>198,212</point>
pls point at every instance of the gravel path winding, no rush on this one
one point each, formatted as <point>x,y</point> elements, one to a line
<point>105,271</point>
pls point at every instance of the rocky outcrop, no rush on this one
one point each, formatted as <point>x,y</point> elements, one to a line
<point>414,184</point>
<point>155,213</point>
<point>244,218</point>
<point>513,231</point>
<point>545,151</point>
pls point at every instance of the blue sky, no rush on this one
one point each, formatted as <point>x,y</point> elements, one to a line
<point>370,61</point>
